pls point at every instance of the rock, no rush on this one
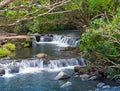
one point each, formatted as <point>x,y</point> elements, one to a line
<point>67,49</point>
<point>66,84</point>
<point>84,77</point>
<point>61,76</point>
<point>41,55</point>
<point>37,36</point>
<point>92,78</point>
<point>106,87</point>
<point>81,70</point>
<point>101,84</point>
<point>97,89</point>
<point>76,76</point>
<point>47,38</point>
<point>2,71</point>
<point>14,69</point>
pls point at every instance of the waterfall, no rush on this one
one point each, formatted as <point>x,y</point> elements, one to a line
<point>38,64</point>
<point>58,39</point>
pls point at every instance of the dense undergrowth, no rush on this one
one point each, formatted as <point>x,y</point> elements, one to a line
<point>101,44</point>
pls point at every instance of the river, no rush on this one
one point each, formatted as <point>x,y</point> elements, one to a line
<point>28,73</point>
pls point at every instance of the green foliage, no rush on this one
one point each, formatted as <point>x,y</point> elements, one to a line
<point>101,39</point>
<point>9,46</point>
<point>113,71</point>
<point>4,52</point>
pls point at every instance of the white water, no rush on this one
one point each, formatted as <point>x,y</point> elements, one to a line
<point>59,40</point>
<point>36,65</point>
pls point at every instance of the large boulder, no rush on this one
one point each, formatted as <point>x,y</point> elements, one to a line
<point>66,84</point>
<point>62,75</point>
<point>2,71</point>
<point>41,55</point>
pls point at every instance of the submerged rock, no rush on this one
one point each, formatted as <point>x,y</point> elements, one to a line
<point>2,71</point>
<point>106,87</point>
<point>66,84</point>
<point>101,84</point>
<point>92,78</point>
<point>41,55</point>
<point>84,77</point>
<point>61,76</point>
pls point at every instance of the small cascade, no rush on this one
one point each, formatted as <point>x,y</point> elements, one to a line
<point>38,64</point>
<point>59,39</point>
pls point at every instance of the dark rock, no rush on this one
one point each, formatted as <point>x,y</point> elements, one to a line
<point>61,76</point>
<point>2,71</point>
<point>14,69</point>
<point>67,49</point>
<point>46,38</point>
<point>81,70</point>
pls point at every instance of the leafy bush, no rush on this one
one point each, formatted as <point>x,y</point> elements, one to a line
<point>9,46</point>
<point>4,52</point>
<point>104,39</point>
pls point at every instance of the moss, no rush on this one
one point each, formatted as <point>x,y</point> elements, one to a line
<point>4,52</point>
<point>9,46</point>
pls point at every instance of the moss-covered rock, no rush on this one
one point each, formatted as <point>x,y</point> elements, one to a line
<point>4,52</point>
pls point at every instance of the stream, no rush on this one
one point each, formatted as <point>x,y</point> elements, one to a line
<point>28,73</point>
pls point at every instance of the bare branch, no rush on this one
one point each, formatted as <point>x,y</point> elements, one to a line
<point>5,2</point>
<point>49,11</point>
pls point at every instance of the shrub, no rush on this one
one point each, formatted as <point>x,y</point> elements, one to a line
<point>9,46</point>
<point>4,52</point>
<point>104,40</point>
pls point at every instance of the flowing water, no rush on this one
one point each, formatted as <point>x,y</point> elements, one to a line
<point>27,73</point>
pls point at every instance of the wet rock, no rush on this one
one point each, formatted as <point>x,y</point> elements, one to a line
<point>2,71</point>
<point>61,76</point>
<point>41,55</point>
<point>101,84</point>
<point>47,38</point>
<point>106,87</point>
<point>37,36</point>
<point>76,76</point>
<point>81,70</point>
<point>66,84</point>
<point>92,78</point>
<point>97,89</point>
<point>84,77</point>
<point>14,69</point>
<point>67,49</point>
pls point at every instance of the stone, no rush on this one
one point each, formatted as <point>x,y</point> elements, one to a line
<point>84,77</point>
<point>101,84</point>
<point>14,69</point>
<point>92,78</point>
<point>76,76</point>
<point>67,49</point>
<point>41,55</point>
<point>106,87</point>
<point>81,70</point>
<point>62,75</point>
<point>2,71</point>
<point>66,84</point>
